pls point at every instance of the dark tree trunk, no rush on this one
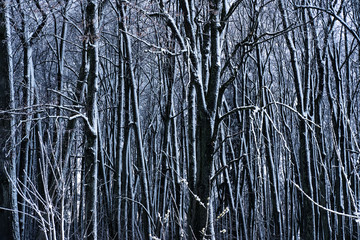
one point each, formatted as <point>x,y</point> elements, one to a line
<point>9,219</point>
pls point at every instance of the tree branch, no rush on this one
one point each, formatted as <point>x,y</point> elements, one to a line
<point>333,14</point>
<point>322,207</point>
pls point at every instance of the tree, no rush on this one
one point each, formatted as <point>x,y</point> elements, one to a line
<point>91,126</point>
<point>9,218</point>
<point>179,119</point>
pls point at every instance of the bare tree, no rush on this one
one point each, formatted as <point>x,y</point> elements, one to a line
<point>179,119</point>
<point>9,215</point>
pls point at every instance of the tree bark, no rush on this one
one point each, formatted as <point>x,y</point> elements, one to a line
<point>9,219</point>
<point>145,195</point>
<point>91,129</point>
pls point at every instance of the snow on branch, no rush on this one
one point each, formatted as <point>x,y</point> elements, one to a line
<point>333,14</point>
<point>321,206</point>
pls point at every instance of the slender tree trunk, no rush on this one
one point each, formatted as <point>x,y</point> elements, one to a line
<point>9,219</point>
<point>307,226</point>
<point>120,163</point>
<point>91,130</point>
<point>275,218</point>
<point>145,194</point>
<point>26,129</point>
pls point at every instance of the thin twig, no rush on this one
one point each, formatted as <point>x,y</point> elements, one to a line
<point>322,207</point>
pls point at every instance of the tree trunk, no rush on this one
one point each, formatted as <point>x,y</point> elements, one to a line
<point>145,195</point>
<point>91,130</point>
<point>9,219</point>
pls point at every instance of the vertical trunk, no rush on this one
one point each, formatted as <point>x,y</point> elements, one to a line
<point>27,40</point>
<point>26,129</point>
<point>60,47</point>
<point>145,195</point>
<point>201,219</point>
<point>276,217</point>
<point>64,156</point>
<point>69,140</point>
<point>199,206</point>
<point>230,200</point>
<point>41,175</point>
<point>307,227</point>
<point>120,163</point>
<point>104,179</point>
<point>176,174</point>
<point>201,213</point>
<point>192,138</point>
<point>9,220</point>
<point>168,81</point>
<point>91,130</point>
<point>318,118</point>
<point>126,174</point>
